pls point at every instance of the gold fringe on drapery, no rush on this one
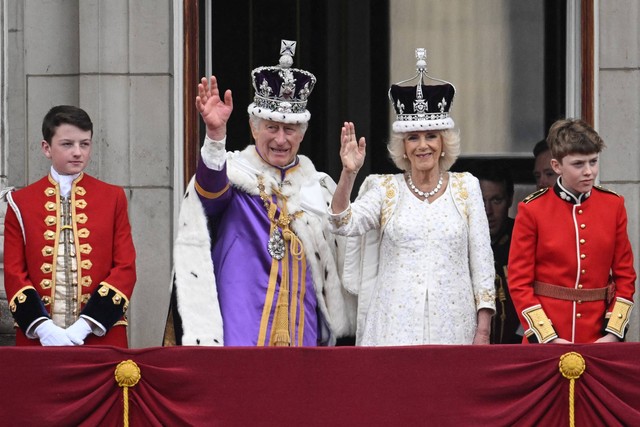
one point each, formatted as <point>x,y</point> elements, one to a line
<point>127,375</point>
<point>571,366</point>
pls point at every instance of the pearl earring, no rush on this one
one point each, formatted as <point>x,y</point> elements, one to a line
<point>442,154</point>
<point>404,156</point>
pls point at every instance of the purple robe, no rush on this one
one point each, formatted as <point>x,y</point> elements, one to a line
<point>247,291</point>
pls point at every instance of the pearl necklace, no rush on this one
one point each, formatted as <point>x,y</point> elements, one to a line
<point>422,193</point>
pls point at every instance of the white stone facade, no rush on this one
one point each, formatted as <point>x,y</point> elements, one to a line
<point>618,105</point>
<point>115,60</point>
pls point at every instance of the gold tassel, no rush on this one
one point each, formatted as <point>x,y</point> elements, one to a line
<point>127,375</point>
<point>571,366</point>
<point>281,337</point>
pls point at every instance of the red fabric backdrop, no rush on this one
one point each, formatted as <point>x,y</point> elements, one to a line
<point>431,385</point>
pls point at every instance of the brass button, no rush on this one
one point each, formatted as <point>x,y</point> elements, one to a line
<point>583,256</point>
<point>579,301</point>
<point>580,212</point>
<point>578,315</point>
<point>579,285</point>
<point>582,225</point>
<point>583,271</point>
<point>619,315</point>
<point>582,241</point>
<point>541,323</point>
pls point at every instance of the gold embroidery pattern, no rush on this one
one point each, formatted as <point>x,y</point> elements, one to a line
<point>619,317</point>
<point>19,297</point>
<point>485,296</point>
<point>47,251</point>
<point>80,191</point>
<point>539,323</point>
<point>117,298</point>
<point>81,204</point>
<point>81,218</point>
<point>339,222</point>
<point>86,264</point>
<point>46,268</point>
<point>535,195</point>
<point>390,193</point>
<point>461,194</point>
<point>50,220</point>
<point>50,206</point>
<point>85,248</point>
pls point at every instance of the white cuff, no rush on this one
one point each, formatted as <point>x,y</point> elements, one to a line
<point>31,330</point>
<point>96,327</point>
<point>339,220</point>
<point>213,153</point>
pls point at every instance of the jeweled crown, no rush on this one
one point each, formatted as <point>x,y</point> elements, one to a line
<point>281,92</point>
<point>422,107</point>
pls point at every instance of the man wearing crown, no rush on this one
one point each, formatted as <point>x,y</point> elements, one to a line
<point>269,274</point>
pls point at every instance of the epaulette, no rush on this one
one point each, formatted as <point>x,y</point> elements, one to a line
<point>606,190</point>
<point>535,195</point>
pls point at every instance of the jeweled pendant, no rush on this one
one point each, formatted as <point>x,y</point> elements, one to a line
<point>275,246</point>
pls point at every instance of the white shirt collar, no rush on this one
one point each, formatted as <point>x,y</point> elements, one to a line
<point>64,181</point>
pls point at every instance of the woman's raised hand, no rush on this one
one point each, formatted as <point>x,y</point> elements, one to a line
<point>352,151</point>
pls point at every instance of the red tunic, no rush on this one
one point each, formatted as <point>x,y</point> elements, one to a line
<point>104,251</point>
<point>575,244</point>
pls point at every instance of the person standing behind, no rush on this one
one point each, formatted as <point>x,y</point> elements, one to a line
<point>497,189</point>
<point>276,280</point>
<point>427,277</point>
<point>69,259</point>
<point>570,271</point>
<point>543,173</point>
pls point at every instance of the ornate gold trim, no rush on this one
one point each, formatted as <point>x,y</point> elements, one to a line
<point>208,194</point>
<point>539,323</point>
<point>619,317</point>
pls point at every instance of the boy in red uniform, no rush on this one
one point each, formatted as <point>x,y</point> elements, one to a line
<point>69,260</point>
<point>570,270</point>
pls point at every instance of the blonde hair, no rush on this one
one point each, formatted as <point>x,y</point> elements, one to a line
<point>450,148</point>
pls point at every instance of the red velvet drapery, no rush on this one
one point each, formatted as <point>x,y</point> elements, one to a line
<point>430,385</point>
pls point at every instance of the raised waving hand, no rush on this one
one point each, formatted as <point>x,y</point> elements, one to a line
<point>214,110</point>
<point>352,151</point>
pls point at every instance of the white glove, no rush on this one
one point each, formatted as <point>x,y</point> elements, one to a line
<point>51,334</point>
<point>78,331</point>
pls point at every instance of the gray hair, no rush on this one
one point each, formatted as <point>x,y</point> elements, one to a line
<point>255,123</point>
<point>450,148</point>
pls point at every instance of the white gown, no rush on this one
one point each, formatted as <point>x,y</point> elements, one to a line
<point>428,288</point>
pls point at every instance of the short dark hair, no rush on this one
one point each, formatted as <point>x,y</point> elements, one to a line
<point>65,114</point>
<point>540,147</point>
<point>494,170</point>
<point>568,136</point>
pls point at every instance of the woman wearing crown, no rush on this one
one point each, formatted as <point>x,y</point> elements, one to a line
<point>419,255</point>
